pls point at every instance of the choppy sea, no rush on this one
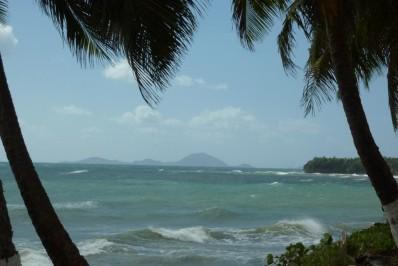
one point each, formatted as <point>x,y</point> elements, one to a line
<point>138,215</point>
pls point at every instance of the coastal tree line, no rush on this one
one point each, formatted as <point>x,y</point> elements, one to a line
<point>350,41</point>
<point>343,165</point>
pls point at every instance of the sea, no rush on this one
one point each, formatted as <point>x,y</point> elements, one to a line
<point>163,215</point>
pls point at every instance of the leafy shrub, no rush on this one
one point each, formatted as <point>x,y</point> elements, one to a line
<point>339,253</point>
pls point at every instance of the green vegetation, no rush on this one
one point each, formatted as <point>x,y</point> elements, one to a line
<point>374,242</point>
<point>343,165</point>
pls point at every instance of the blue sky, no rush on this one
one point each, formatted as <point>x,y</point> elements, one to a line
<point>234,104</point>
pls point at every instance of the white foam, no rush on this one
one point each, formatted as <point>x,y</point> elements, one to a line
<point>64,205</point>
<point>38,257</point>
<point>236,171</point>
<point>276,183</point>
<point>309,224</point>
<point>92,247</point>
<point>346,175</point>
<point>282,173</point>
<point>77,172</point>
<point>161,170</point>
<point>191,234</point>
<point>34,257</point>
<point>307,180</point>
<point>76,205</point>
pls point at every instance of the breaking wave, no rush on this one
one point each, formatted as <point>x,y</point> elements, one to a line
<point>286,231</point>
<point>38,257</point>
<point>61,206</point>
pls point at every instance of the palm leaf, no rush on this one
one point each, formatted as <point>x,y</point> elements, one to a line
<point>70,18</point>
<point>152,35</point>
<point>3,11</point>
<point>254,18</point>
<point>392,79</point>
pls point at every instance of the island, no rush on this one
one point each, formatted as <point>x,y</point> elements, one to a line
<point>342,165</point>
<point>192,160</point>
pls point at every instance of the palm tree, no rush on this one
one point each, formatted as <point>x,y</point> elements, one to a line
<point>152,35</point>
<point>8,253</point>
<point>350,41</point>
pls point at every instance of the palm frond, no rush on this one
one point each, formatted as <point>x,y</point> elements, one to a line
<point>152,35</point>
<point>392,79</point>
<point>70,18</point>
<point>320,81</point>
<point>3,11</point>
<point>286,44</point>
<point>254,18</point>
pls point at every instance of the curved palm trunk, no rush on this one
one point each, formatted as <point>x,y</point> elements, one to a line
<point>53,235</point>
<point>376,167</point>
<point>8,254</point>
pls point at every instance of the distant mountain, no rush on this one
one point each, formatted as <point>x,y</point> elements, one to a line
<point>201,159</point>
<point>148,162</point>
<point>98,160</point>
<point>245,165</point>
<point>194,159</point>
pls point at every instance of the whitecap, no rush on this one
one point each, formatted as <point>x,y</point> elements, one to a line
<point>191,234</point>
<point>76,205</point>
<point>92,247</point>
<point>237,171</point>
<point>276,183</point>
<point>82,171</point>
<point>38,257</point>
<point>282,173</point>
<point>309,224</point>
<point>161,170</point>
<point>34,257</point>
<point>307,180</point>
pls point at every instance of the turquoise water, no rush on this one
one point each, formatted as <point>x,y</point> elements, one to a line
<point>131,215</point>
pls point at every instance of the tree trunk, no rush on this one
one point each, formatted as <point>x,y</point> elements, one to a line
<point>55,239</point>
<point>8,254</point>
<point>376,167</point>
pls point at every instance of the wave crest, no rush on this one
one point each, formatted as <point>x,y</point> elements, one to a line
<point>284,230</point>
<point>76,205</point>
<point>191,234</point>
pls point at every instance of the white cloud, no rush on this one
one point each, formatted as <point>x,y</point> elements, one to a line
<point>120,70</point>
<point>72,110</point>
<point>188,82</point>
<point>142,114</point>
<point>223,125</point>
<point>185,81</point>
<point>148,121</point>
<point>7,38</point>
<point>227,118</point>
